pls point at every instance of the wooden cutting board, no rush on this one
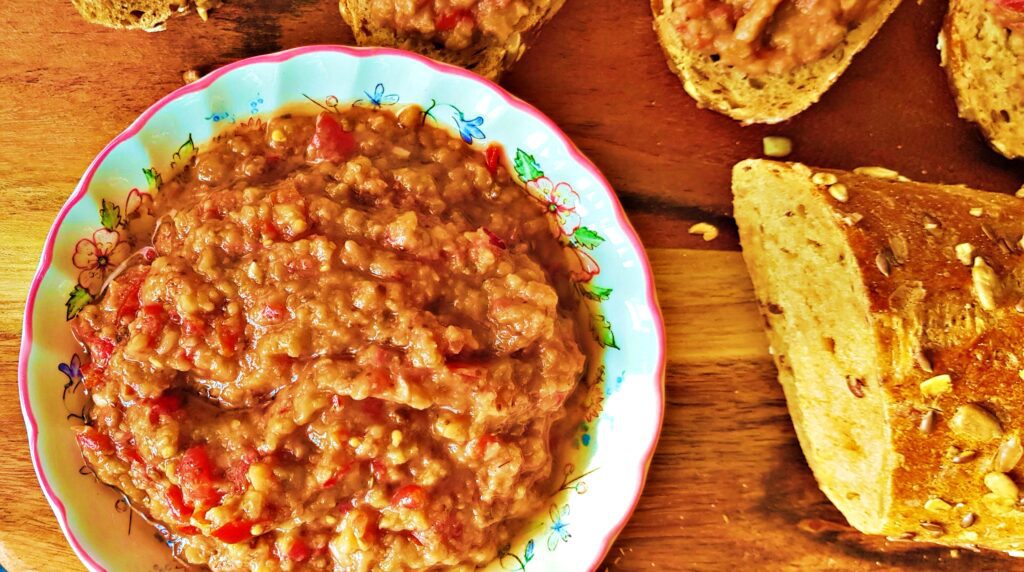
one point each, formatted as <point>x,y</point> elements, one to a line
<point>728,486</point>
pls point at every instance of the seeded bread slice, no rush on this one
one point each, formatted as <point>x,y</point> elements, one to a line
<point>768,98</point>
<point>985,64</point>
<point>487,57</point>
<point>894,315</point>
<point>149,15</point>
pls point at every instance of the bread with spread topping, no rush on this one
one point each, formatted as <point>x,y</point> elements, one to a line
<point>701,40</point>
<point>982,48</point>
<point>895,317</point>
<point>487,54</point>
<point>149,15</point>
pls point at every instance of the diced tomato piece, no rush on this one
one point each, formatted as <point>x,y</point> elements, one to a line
<point>274,312</point>
<point>189,530</point>
<point>128,452</point>
<point>378,469</point>
<point>299,551</point>
<point>373,407</point>
<point>481,444</point>
<point>269,230</point>
<point>465,369</point>
<point>1013,5</point>
<point>448,527</point>
<point>238,472</point>
<point>95,441</point>
<point>447,20</point>
<point>337,476</point>
<point>228,334</point>
<point>330,141</point>
<point>101,350</point>
<point>152,319</point>
<point>131,282</point>
<point>234,532</point>
<point>191,327</point>
<point>496,240</point>
<point>180,510</point>
<point>166,404</point>
<point>409,496</point>
<point>493,158</point>
<point>371,532</point>
<point>195,471</point>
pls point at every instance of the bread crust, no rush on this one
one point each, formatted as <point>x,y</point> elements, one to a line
<point>768,98</point>
<point>983,61</point>
<point>148,15</point>
<point>928,315</point>
<point>487,57</point>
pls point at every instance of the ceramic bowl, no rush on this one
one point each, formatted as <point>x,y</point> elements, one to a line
<point>624,389</point>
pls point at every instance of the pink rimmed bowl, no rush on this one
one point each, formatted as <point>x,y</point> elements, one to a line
<point>613,446</point>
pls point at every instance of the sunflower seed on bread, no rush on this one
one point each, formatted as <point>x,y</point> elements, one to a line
<point>935,346</point>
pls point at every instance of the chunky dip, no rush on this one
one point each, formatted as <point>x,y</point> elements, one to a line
<point>458,24</point>
<point>1009,13</point>
<point>767,36</point>
<point>345,349</point>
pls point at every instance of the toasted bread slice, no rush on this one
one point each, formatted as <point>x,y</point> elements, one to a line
<point>893,311</point>
<point>984,61</point>
<point>488,57</point>
<point>149,15</point>
<point>766,98</point>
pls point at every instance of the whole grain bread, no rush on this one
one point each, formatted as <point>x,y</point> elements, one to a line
<point>149,15</point>
<point>983,60</point>
<point>895,318</point>
<point>487,57</point>
<point>767,98</point>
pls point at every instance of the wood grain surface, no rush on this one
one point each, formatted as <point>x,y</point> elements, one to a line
<point>728,486</point>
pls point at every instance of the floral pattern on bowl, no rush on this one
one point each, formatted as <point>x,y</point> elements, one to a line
<point>89,240</point>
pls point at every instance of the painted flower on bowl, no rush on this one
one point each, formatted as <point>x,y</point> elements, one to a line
<point>97,256</point>
<point>560,199</point>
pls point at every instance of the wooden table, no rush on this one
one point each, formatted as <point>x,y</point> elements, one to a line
<point>728,486</point>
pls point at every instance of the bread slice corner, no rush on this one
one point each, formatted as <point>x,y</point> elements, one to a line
<point>984,62</point>
<point>769,98</point>
<point>819,327</point>
<point>487,58</point>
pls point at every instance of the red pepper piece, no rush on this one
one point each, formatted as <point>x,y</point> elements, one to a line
<point>496,240</point>
<point>465,369</point>
<point>299,551</point>
<point>95,441</point>
<point>130,302</point>
<point>166,404</point>
<point>234,532</point>
<point>195,471</point>
<point>409,496</point>
<point>493,158</point>
<point>330,141</point>
<point>447,20</point>
<point>378,469</point>
<point>180,510</point>
<point>152,320</point>
<point>274,312</point>
<point>480,446</point>
<point>228,334</point>
<point>1012,5</point>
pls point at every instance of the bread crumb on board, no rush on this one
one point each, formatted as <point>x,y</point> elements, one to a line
<point>707,231</point>
<point>777,146</point>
